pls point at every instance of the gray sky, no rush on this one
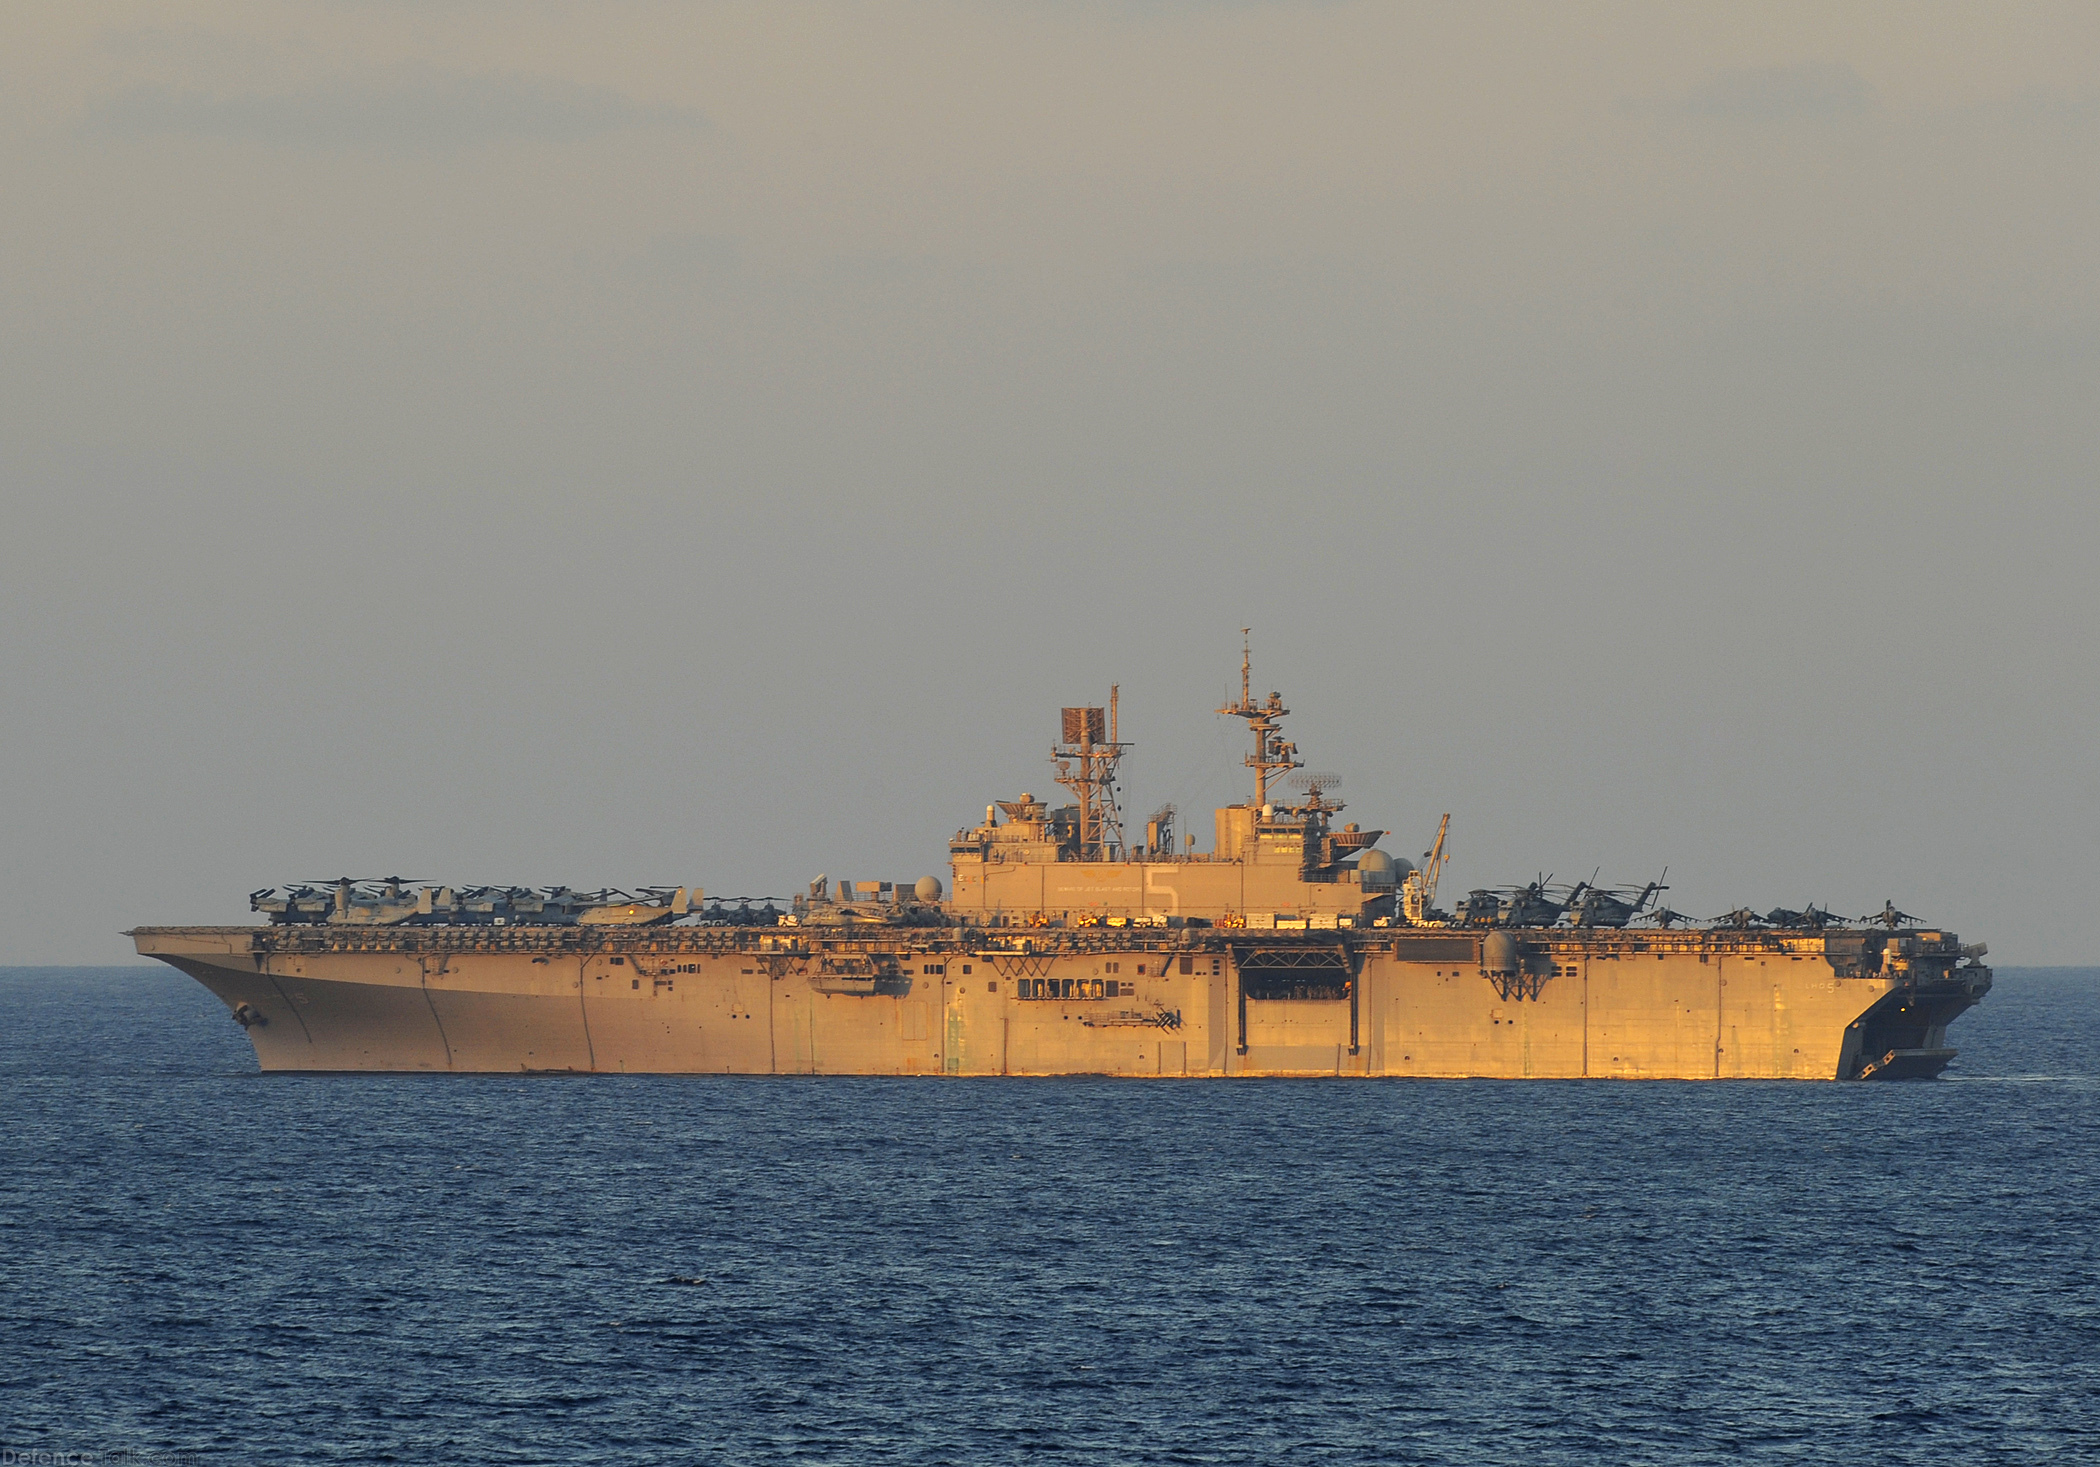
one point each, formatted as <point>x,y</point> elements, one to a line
<point>626,443</point>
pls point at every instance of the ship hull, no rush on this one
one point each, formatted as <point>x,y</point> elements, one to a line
<point>1697,1006</point>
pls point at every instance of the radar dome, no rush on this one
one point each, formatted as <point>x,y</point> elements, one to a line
<point>928,889</point>
<point>1376,868</point>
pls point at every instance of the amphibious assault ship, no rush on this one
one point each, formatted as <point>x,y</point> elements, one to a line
<point>1294,946</point>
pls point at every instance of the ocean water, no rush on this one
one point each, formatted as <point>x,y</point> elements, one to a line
<point>199,1263</point>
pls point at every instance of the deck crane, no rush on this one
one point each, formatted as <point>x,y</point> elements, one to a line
<point>1419,897</point>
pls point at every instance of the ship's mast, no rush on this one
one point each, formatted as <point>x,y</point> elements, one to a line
<point>1086,765</point>
<point>1273,754</point>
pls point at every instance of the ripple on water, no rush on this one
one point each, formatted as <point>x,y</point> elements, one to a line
<point>347,1268</point>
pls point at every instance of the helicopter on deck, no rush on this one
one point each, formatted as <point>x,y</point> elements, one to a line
<point>1590,905</point>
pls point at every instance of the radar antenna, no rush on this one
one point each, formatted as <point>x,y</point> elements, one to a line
<point>1086,760</point>
<point>1314,785</point>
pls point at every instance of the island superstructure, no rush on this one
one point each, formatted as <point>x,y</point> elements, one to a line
<point>1060,946</point>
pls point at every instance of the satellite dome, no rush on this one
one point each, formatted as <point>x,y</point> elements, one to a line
<point>928,889</point>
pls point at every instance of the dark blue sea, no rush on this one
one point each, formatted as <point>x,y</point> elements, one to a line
<point>204,1264</point>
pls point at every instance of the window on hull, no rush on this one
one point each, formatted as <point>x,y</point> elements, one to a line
<point>1073,988</point>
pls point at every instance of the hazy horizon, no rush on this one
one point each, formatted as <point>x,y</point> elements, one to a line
<point>655,444</point>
